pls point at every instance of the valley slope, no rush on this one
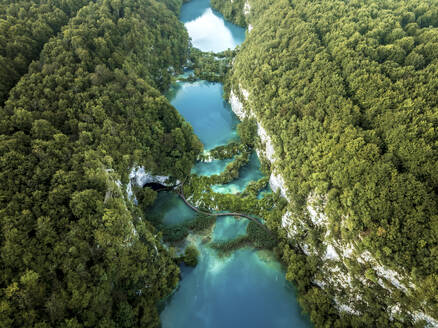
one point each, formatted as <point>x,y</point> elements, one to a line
<point>345,95</point>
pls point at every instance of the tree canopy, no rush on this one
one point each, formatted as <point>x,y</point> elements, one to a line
<point>348,90</point>
<point>25,26</point>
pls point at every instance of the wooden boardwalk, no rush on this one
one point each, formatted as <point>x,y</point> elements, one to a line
<point>253,219</point>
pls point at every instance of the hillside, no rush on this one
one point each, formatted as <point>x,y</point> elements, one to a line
<point>74,250</point>
<point>345,94</point>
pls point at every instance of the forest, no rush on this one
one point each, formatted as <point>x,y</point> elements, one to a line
<point>82,107</point>
<point>25,26</point>
<point>348,90</point>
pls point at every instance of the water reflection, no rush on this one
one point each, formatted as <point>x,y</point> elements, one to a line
<point>207,28</point>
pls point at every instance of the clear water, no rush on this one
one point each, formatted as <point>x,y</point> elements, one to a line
<point>228,227</point>
<point>207,28</point>
<point>202,105</point>
<point>242,290</point>
<point>171,209</point>
<point>248,173</point>
<point>247,288</point>
<point>210,168</point>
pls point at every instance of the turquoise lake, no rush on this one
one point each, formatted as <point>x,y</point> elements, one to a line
<point>202,105</point>
<point>247,288</point>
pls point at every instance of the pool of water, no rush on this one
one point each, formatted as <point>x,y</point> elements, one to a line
<point>242,290</point>
<point>202,105</point>
<point>170,209</point>
<point>207,28</point>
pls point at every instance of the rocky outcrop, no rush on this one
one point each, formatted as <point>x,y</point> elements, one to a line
<point>140,177</point>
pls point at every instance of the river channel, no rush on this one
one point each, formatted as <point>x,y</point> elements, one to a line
<point>247,288</point>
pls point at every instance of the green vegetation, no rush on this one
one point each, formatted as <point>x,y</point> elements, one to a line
<point>256,237</point>
<point>247,130</point>
<point>145,196</point>
<point>232,10</point>
<point>191,255</point>
<point>175,233</point>
<point>210,66</point>
<point>241,152</point>
<point>346,89</point>
<point>24,29</point>
<point>223,152</point>
<point>225,248</point>
<point>75,252</point>
<point>259,237</point>
<point>348,92</point>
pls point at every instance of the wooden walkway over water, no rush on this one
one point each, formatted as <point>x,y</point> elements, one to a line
<point>253,219</point>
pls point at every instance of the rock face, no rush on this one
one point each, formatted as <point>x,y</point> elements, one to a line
<point>140,177</point>
<point>335,253</point>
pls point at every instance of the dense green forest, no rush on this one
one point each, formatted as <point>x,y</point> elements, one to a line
<point>348,90</point>
<point>25,26</point>
<point>75,252</point>
<point>232,10</point>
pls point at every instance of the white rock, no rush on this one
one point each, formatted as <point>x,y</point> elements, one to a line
<point>347,250</point>
<point>393,310</point>
<point>237,106</point>
<point>306,249</point>
<point>245,93</point>
<point>331,254</point>
<point>141,177</point>
<point>418,316</point>
<point>276,182</point>
<point>318,218</point>
<point>392,276</point>
<point>266,140</point>
<point>246,8</point>
<point>347,308</point>
<point>250,28</point>
<point>317,214</point>
<point>288,224</point>
<point>319,283</point>
<point>286,220</point>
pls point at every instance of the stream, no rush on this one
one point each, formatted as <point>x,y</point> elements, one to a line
<point>247,288</point>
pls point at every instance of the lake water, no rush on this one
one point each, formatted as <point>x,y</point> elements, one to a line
<point>207,28</point>
<point>202,105</point>
<point>247,288</point>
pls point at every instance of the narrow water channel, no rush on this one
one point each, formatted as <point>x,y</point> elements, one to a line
<point>247,288</point>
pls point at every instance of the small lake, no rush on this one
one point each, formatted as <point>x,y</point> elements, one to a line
<point>201,104</point>
<point>208,29</point>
